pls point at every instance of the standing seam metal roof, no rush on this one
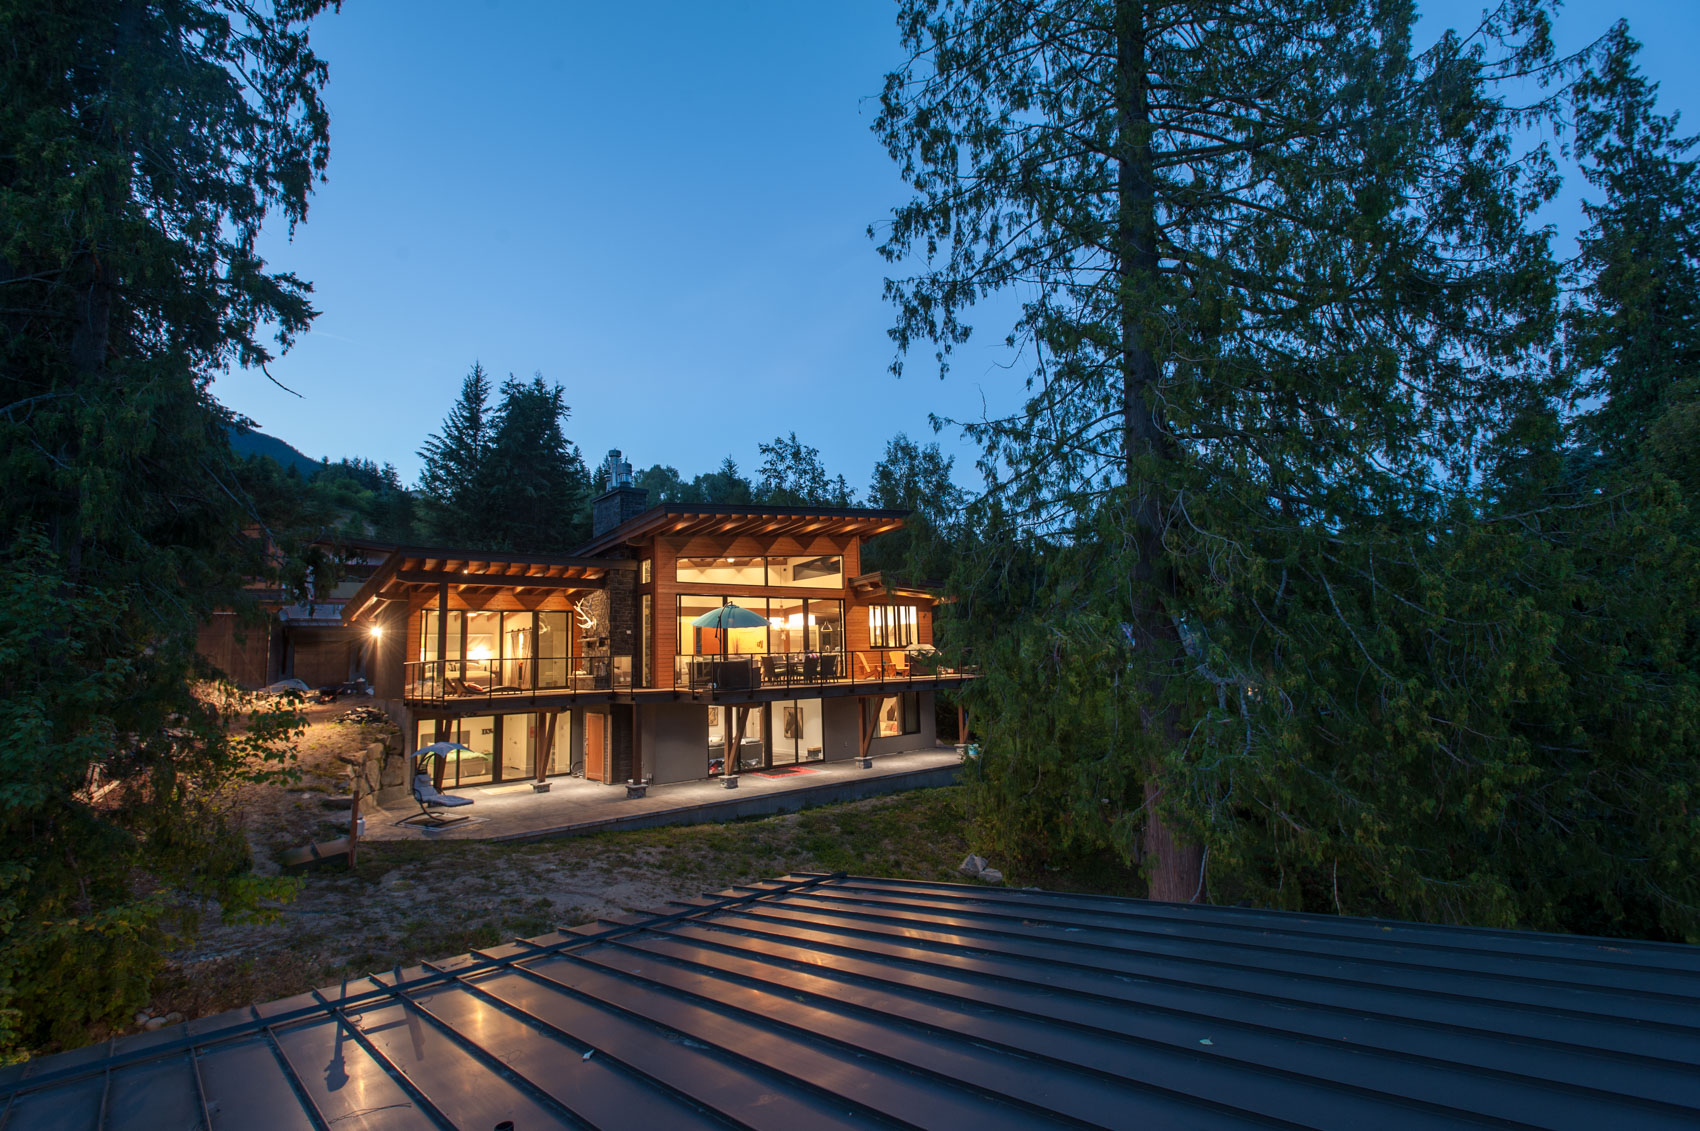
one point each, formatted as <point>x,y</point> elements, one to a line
<point>821,1001</point>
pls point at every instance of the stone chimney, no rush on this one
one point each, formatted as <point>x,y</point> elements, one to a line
<point>621,501</point>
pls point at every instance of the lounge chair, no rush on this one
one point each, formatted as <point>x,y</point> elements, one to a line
<point>430,797</point>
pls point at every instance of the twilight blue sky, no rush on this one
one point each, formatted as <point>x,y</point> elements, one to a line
<point>662,208</point>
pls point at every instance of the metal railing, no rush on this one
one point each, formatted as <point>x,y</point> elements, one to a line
<point>808,669</point>
<point>437,680</point>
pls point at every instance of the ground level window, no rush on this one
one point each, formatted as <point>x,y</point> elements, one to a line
<point>503,747</point>
<point>899,715</point>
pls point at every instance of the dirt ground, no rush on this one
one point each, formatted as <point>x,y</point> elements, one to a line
<point>421,899</point>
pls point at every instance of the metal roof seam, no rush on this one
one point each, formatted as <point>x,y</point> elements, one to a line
<point>1204,1022</point>
<point>489,1059</point>
<point>389,1067</point>
<point>1358,1015</point>
<point>1297,979</point>
<point>573,993</point>
<point>1413,1093</point>
<point>1319,923</point>
<point>293,1079</point>
<point>583,1047</point>
<point>1208,934</point>
<point>938,1034</point>
<point>792,1079</point>
<point>1373,973</point>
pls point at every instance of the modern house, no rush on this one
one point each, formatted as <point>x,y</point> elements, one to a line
<point>683,641</point>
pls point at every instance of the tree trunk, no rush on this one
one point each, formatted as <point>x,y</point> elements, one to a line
<point>1173,866</point>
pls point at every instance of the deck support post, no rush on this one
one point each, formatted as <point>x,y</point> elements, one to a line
<point>439,766</point>
<point>546,755</point>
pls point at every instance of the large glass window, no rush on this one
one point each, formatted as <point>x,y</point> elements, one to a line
<point>807,571</point>
<point>892,626</point>
<point>500,650</point>
<point>554,643</point>
<point>647,642</point>
<point>519,746</point>
<point>789,624</point>
<point>792,625</point>
<point>826,626</point>
<point>719,571</point>
<point>816,572</point>
<point>694,641</point>
<point>899,715</point>
<point>797,732</point>
<point>740,730</point>
<point>428,635</point>
<point>465,767</point>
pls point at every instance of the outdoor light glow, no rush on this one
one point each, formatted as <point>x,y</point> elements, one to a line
<point>377,631</point>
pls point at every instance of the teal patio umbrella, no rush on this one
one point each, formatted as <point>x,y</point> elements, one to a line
<point>729,616</point>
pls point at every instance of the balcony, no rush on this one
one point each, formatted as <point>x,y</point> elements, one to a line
<point>462,681</point>
<point>770,671</point>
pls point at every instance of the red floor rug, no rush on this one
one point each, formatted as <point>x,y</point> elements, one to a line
<point>786,773</point>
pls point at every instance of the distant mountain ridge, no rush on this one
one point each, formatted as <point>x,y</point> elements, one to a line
<point>247,442</point>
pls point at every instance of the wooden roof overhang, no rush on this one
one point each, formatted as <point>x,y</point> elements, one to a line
<point>410,569</point>
<point>693,519</point>
<point>876,585</point>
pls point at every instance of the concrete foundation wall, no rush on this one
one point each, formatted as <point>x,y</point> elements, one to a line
<point>675,741</point>
<point>842,733</point>
<point>838,719</point>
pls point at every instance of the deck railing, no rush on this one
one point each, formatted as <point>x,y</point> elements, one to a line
<point>436,680</point>
<point>808,669</point>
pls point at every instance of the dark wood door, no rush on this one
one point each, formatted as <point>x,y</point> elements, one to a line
<point>595,760</point>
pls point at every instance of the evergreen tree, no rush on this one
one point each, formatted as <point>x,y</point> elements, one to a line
<point>726,484</point>
<point>1633,327</point>
<point>917,479</point>
<point>452,482</point>
<point>792,474</point>
<point>533,480</point>
<point>141,148</point>
<point>1281,295</point>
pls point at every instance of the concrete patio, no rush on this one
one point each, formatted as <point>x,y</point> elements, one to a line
<point>575,807</point>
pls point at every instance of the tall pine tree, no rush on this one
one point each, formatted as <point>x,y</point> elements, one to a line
<point>534,482</point>
<point>452,481</point>
<point>1633,327</point>
<point>141,148</point>
<point>1278,294</point>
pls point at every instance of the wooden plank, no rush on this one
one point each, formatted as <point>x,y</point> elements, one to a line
<point>595,747</point>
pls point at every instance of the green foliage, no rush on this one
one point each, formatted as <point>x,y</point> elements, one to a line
<point>1292,590</point>
<point>507,479</point>
<point>451,483</point>
<point>917,479</point>
<point>142,148</point>
<point>1633,325</point>
<point>536,488</point>
<point>725,484</point>
<point>792,475</point>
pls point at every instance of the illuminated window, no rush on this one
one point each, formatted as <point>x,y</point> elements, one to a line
<point>892,626</point>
